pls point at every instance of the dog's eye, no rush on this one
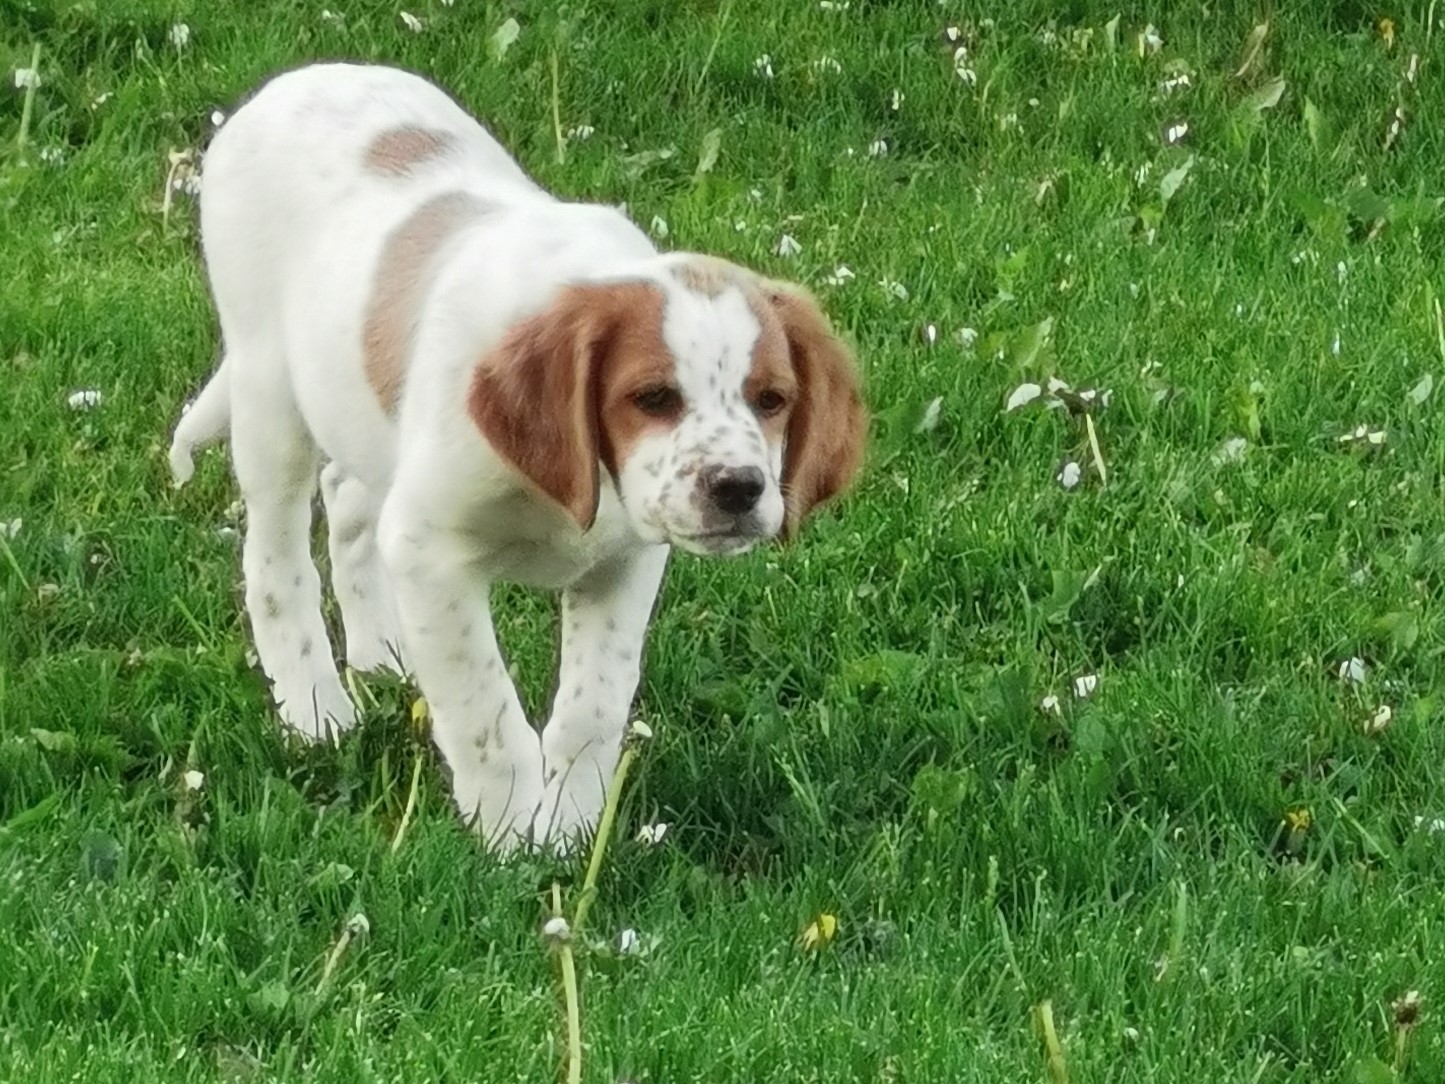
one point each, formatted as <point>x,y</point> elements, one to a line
<point>659,402</point>
<point>769,403</point>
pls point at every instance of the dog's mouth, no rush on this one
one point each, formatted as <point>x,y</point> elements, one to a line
<point>719,543</point>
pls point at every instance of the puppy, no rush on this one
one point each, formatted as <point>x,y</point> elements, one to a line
<point>502,387</point>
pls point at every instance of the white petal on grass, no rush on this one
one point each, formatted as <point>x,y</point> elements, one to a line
<point>1150,41</point>
<point>85,399</point>
<point>180,35</point>
<point>763,66</point>
<point>26,79</point>
<point>639,730</point>
<point>931,414</point>
<point>1070,475</point>
<point>878,148</point>
<point>358,925</point>
<point>194,780</point>
<point>930,334</point>
<point>1022,395</point>
<point>1175,132</point>
<point>1230,451</point>
<point>659,227</point>
<point>1085,684</point>
<point>628,943</point>
<point>1421,391</point>
<point>897,101</point>
<point>1431,825</point>
<point>1335,345</point>
<point>841,274</point>
<point>1380,719</point>
<point>11,529</point>
<point>967,336</point>
<point>411,22</point>
<point>1353,670</point>
<point>828,65</point>
<point>894,289</point>
<point>556,929</point>
<point>787,246</point>
<point>581,132</point>
<point>1049,705</point>
<point>1175,82</point>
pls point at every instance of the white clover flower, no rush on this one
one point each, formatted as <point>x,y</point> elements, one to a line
<point>652,834</point>
<point>194,780</point>
<point>85,399</point>
<point>180,35</point>
<point>787,246</point>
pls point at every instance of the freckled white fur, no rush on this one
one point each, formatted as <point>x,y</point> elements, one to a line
<point>423,515</point>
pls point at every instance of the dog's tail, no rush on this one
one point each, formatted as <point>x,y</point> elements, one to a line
<point>206,420</point>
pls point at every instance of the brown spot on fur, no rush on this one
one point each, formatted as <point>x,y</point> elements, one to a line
<point>403,276</point>
<point>556,396</point>
<point>398,151</point>
<point>709,275</point>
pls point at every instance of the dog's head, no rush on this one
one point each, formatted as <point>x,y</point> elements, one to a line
<point>723,405</point>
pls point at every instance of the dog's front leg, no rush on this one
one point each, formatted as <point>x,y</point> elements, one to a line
<point>477,721</point>
<point>604,622</point>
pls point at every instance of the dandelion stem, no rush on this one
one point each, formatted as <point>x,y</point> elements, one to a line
<point>722,23</point>
<point>571,997</point>
<point>333,959</point>
<point>557,109</point>
<point>604,831</point>
<point>410,804</point>
<point>1053,1049</point>
<point>1094,448</point>
<point>27,109</point>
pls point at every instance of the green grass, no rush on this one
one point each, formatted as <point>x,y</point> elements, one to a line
<point>848,726</point>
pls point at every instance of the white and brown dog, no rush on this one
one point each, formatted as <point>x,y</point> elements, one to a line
<point>502,386</point>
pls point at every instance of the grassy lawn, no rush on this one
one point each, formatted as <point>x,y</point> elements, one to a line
<point>1164,748</point>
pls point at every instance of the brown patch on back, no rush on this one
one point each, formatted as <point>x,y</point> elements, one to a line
<point>403,278</point>
<point>398,151</point>
<point>555,397</point>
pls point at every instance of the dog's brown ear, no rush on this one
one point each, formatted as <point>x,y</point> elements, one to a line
<point>829,425</point>
<point>534,397</point>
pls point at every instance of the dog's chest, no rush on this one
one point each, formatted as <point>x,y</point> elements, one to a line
<point>519,541</point>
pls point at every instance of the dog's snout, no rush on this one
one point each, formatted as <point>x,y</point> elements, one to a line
<point>733,490</point>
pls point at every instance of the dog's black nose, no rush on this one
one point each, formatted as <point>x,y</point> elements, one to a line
<point>734,490</point>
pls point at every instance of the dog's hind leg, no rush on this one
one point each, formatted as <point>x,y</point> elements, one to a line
<point>363,589</point>
<point>276,464</point>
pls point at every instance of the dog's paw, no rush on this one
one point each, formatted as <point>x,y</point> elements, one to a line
<point>323,713</point>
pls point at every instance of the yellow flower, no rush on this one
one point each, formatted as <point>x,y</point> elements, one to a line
<point>1387,31</point>
<point>420,715</point>
<point>1298,819</point>
<point>820,932</point>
